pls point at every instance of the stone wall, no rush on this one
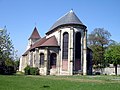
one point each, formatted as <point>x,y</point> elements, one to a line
<point>108,70</point>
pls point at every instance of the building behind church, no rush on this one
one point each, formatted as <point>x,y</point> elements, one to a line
<point>62,51</point>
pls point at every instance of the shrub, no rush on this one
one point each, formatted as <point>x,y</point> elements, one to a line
<point>34,71</point>
<point>9,70</point>
<point>27,70</point>
<point>7,67</point>
<point>31,70</point>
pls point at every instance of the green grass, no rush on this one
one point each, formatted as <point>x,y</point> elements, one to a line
<point>21,82</point>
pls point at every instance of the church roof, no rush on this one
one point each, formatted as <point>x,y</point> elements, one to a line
<point>35,34</point>
<point>35,45</point>
<point>50,42</point>
<point>38,43</point>
<point>43,42</point>
<point>68,19</point>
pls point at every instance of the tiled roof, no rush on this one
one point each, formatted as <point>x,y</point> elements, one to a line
<point>35,34</point>
<point>43,42</point>
<point>38,43</point>
<point>68,19</point>
<point>50,42</point>
<point>35,45</point>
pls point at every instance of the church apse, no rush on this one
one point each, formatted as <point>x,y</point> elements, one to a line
<point>62,51</point>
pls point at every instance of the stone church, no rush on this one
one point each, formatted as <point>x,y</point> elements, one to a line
<point>62,51</point>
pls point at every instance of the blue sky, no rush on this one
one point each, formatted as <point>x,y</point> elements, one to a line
<point>21,16</point>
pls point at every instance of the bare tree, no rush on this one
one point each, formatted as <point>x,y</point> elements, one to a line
<point>98,40</point>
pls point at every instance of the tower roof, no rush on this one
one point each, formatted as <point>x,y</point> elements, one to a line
<point>35,34</point>
<point>69,18</point>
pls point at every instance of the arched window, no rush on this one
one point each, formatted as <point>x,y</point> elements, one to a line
<point>41,59</point>
<point>77,61</point>
<point>65,46</point>
<point>53,58</point>
<point>65,52</point>
<point>78,45</point>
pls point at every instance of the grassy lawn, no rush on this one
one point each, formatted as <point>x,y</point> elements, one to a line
<point>17,82</point>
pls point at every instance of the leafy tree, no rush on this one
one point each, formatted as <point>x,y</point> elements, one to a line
<point>112,55</point>
<point>6,49</point>
<point>98,40</point>
<point>17,64</point>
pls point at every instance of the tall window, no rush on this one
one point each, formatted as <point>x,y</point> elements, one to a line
<point>65,46</point>
<point>77,62</point>
<point>41,59</point>
<point>78,46</point>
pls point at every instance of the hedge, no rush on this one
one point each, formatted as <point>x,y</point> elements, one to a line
<point>31,70</point>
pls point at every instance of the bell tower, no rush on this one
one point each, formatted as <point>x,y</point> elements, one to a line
<point>33,38</point>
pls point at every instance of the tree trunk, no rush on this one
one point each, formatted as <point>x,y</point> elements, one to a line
<point>115,69</point>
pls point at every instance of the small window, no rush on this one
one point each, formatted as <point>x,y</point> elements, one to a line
<point>53,58</point>
<point>41,59</point>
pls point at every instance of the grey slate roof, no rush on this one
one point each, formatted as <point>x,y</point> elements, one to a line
<point>67,19</point>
